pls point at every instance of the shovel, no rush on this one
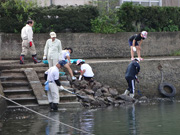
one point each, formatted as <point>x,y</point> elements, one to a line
<point>79,96</point>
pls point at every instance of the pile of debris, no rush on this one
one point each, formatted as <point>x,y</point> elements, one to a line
<point>94,94</point>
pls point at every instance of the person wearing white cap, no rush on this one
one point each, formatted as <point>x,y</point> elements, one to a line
<point>53,50</point>
<point>86,70</point>
<point>131,74</point>
<point>133,43</point>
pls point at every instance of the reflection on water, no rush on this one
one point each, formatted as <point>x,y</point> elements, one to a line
<point>152,119</point>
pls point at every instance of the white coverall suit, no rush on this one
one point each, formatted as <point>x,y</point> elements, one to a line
<point>53,51</point>
<point>53,93</point>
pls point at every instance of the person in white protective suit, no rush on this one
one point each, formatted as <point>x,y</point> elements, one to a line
<point>52,76</point>
<point>53,50</point>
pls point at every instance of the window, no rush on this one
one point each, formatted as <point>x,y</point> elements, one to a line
<point>145,2</point>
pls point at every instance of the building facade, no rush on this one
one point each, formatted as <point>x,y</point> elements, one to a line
<point>172,3</point>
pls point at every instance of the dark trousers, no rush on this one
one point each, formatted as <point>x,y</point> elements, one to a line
<point>131,85</point>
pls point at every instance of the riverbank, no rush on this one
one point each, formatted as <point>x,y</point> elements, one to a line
<point>111,72</point>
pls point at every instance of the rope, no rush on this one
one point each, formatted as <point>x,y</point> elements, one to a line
<point>45,115</point>
<point>161,69</point>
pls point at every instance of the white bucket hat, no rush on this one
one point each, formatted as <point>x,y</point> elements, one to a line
<point>144,34</point>
<point>52,34</point>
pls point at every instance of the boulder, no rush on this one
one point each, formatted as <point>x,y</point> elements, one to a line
<point>113,92</point>
<point>89,91</point>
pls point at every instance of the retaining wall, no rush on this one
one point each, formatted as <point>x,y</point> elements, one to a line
<point>91,45</point>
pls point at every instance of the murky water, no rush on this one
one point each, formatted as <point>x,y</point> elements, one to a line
<point>152,119</point>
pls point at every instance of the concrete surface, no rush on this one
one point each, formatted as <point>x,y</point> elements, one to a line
<point>91,45</point>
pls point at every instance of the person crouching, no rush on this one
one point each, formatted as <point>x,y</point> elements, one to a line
<point>52,76</point>
<point>131,73</point>
<point>86,70</point>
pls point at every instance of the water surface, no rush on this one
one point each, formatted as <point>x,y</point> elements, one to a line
<point>151,119</point>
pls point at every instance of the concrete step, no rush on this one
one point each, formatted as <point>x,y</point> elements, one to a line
<point>16,106</point>
<point>4,78</point>
<point>17,90</point>
<point>12,84</point>
<point>69,105</point>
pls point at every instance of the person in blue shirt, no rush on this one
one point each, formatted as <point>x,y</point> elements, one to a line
<point>131,75</point>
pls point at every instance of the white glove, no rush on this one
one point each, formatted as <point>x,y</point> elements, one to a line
<point>61,87</point>
<point>44,57</point>
<point>134,48</point>
<point>80,77</point>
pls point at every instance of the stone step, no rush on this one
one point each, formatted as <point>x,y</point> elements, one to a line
<point>11,84</point>
<point>4,78</point>
<point>17,90</point>
<point>21,98</point>
<point>16,106</point>
<point>16,81</point>
<point>69,105</point>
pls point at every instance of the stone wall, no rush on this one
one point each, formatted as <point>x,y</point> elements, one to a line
<point>112,73</point>
<point>91,45</point>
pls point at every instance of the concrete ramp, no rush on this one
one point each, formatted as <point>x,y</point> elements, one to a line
<point>36,86</point>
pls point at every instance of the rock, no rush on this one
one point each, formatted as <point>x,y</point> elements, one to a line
<point>102,103</point>
<point>107,94</point>
<point>110,99</point>
<point>143,98</point>
<point>89,91</point>
<point>113,92</point>
<point>119,101</point>
<point>126,98</point>
<point>76,83</point>
<point>98,93</point>
<point>83,84</point>
<point>96,86</point>
<point>104,90</point>
<point>88,98</point>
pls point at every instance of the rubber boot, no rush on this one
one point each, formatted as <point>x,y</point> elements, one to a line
<point>35,59</point>
<point>131,95</point>
<point>126,92</point>
<point>55,105</point>
<point>51,106</point>
<point>21,59</point>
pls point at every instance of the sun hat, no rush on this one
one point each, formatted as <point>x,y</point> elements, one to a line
<point>79,61</point>
<point>144,34</point>
<point>52,34</point>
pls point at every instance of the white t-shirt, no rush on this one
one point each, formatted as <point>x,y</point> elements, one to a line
<point>88,70</point>
<point>65,53</point>
<point>53,74</point>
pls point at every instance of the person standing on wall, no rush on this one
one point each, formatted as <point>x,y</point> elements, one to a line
<point>53,50</point>
<point>66,57</point>
<point>131,75</point>
<point>86,70</point>
<point>27,43</point>
<point>52,76</point>
<point>133,43</point>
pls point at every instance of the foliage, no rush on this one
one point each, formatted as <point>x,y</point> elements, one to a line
<point>154,19</point>
<point>176,53</point>
<point>107,21</point>
<point>14,14</point>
